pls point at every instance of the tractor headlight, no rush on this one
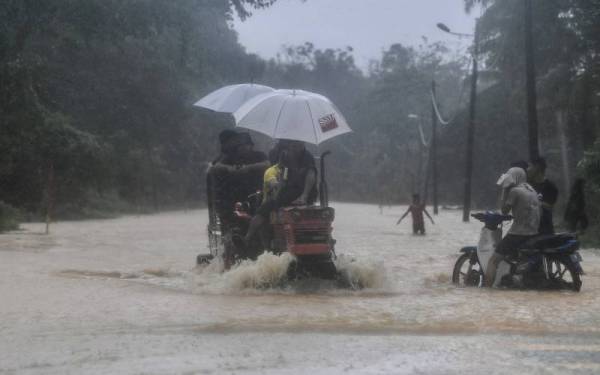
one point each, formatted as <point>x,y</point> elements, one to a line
<point>296,215</point>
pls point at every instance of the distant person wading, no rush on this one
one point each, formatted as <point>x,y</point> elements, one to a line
<point>416,210</point>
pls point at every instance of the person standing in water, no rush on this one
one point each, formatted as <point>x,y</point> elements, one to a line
<point>416,210</point>
<point>547,193</point>
<point>575,216</point>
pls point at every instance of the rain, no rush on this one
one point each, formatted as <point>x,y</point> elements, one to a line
<point>299,186</point>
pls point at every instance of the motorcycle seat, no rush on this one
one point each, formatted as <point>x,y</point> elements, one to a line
<point>549,243</point>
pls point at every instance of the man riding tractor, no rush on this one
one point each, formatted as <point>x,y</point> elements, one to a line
<point>232,178</point>
<point>286,217</point>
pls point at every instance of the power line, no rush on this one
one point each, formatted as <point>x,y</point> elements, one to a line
<point>458,105</point>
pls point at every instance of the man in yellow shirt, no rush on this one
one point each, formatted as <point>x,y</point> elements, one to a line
<point>272,182</point>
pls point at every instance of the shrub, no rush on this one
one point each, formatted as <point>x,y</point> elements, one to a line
<point>9,217</point>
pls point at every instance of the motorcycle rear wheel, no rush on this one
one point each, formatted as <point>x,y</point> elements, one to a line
<point>467,272</point>
<point>564,275</point>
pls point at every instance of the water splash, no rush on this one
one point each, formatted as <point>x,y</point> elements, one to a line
<point>362,274</point>
<point>268,271</point>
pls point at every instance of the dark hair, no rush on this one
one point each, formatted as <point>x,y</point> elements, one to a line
<point>245,138</point>
<point>226,135</point>
<point>540,163</point>
<point>416,196</point>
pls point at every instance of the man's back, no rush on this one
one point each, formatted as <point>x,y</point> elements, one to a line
<point>525,210</point>
<point>296,178</point>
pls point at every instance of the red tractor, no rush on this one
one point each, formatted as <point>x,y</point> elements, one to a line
<point>303,231</point>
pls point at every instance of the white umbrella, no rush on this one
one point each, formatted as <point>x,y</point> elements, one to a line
<point>292,114</point>
<point>230,98</point>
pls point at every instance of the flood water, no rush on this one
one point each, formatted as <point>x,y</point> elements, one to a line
<point>124,296</point>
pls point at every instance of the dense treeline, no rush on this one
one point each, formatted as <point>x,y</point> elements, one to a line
<point>567,58</point>
<point>95,96</point>
<point>96,102</point>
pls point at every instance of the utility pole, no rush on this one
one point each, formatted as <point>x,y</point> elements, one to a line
<point>420,167</point>
<point>50,195</point>
<point>532,120</point>
<point>434,149</point>
<point>471,128</point>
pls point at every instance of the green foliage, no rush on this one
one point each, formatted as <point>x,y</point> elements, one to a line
<point>589,169</point>
<point>9,217</point>
<point>102,91</point>
<point>241,6</point>
<point>566,48</point>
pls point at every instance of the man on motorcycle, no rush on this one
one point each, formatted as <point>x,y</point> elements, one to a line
<point>521,200</point>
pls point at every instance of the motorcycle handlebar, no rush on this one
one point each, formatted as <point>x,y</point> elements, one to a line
<point>491,216</point>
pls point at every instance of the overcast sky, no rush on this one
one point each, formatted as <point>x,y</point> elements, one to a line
<point>369,26</point>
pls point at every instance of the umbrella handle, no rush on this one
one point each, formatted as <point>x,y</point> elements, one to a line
<point>323,190</point>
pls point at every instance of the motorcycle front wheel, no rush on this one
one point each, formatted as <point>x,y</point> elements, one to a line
<point>564,275</point>
<point>467,271</point>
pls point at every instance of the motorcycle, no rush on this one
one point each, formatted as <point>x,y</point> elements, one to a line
<point>543,262</point>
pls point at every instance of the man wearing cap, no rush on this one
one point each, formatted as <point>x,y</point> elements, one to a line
<point>520,200</point>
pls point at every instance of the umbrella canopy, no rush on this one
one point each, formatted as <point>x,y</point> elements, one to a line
<point>292,114</point>
<point>230,98</point>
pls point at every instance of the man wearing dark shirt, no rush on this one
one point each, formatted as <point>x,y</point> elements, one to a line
<point>237,173</point>
<point>297,183</point>
<point>547,192</point>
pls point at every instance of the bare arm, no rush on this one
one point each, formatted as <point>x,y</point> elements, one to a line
<point>256,167</point>
<point>403,216</point>
<point>429,216</point>
<point>309,183</point>
<point>221,168</point>
<point>240,170</point>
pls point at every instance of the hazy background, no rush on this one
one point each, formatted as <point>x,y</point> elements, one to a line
<point>367,26</point>
<point>97,115</point>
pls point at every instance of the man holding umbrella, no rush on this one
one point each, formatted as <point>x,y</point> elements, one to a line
<point>294,117</point>
<point>291,181</point>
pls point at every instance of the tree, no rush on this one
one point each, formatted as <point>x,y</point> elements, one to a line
<point>567,58</point>
<point>120,75</point>
<point>241,6</point>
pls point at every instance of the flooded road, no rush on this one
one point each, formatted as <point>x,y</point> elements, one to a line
<point>123,296</point>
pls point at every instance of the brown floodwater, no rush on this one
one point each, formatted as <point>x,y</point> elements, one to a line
<point>124,296</point>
